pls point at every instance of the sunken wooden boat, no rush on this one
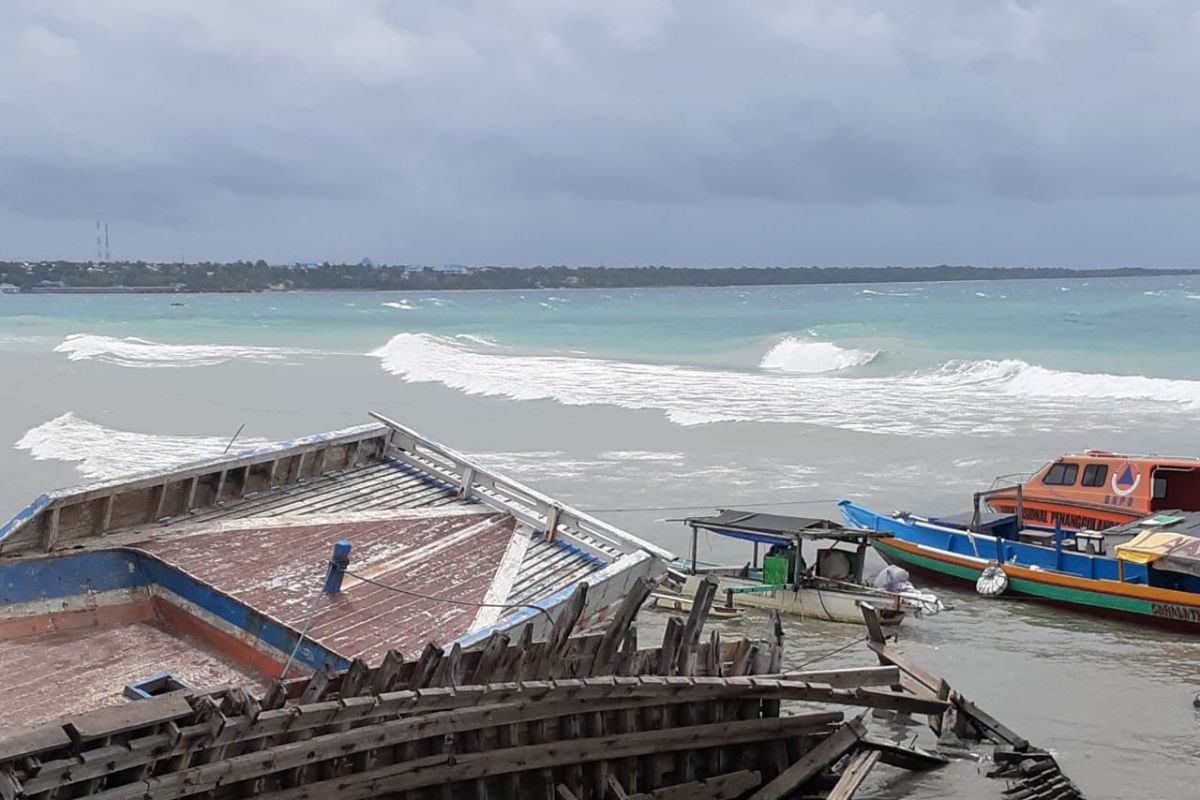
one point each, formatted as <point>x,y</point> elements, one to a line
<point>573,717</point>
<point>216,572</point>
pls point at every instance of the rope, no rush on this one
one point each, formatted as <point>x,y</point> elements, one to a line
<point>452,601</point>
<point>706,505</point>
<point>824,656</point>
<point>303,633</point>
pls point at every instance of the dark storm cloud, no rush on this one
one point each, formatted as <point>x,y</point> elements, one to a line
<point>538,131</point>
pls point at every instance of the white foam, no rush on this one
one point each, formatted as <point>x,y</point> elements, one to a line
<point>403,305</point>
<point>133,352</point>
<point>640,455</point>
<point>972,397</point>
<point>873,293</point>
<point>101,452</point>
<point>1193,296</point>
<point>796,355</point>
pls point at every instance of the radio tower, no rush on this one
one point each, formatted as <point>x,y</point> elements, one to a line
<point>99,251</point>
<point>107,254</point>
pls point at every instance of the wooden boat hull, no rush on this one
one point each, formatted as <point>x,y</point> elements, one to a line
<point>916,549</point>
<point>832,605</point>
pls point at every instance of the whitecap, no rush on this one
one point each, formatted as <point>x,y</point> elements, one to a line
<point>403,305</point>
<point>640,455</point>
<point>134,352</point>
<point>794,355</point>
<point>101,452</point>
<point>987,397</point>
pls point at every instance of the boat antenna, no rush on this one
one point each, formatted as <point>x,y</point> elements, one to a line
<point>235,435</point>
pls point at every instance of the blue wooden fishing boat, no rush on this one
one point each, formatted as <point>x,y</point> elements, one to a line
<point>1149,568</point>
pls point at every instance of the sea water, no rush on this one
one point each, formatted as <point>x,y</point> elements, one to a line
<point>646,405</point>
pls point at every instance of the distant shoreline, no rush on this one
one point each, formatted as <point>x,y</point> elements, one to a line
<point>245,277</point>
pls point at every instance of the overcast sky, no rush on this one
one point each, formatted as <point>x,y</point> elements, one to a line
<point>832,132</point>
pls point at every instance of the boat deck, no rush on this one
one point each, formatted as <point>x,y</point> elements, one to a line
<point>232,555</point>
<point>51,674</point>
<point>279,569</point>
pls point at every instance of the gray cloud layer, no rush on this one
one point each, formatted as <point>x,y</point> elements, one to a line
<point>825,131</point>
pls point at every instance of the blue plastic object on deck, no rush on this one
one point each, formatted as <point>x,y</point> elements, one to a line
<point>337,567</point>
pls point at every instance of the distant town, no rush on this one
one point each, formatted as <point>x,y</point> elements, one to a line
<point>259,276</point>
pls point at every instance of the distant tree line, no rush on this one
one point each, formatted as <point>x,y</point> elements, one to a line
<point>247,276</point>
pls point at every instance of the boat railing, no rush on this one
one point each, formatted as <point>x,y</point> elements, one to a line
<point>475,482</point>
<point>92,510</point>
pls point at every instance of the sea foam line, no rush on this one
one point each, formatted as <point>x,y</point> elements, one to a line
<point>101,452</point>
<point>133,352</point>
<point>981,397</point>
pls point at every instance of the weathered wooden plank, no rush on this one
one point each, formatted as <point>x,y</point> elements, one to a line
<point>621,621</point>
<point>685,660</point>
<point>435,770</point>
<point>994,727</point>
<point>848,678</point>
<point>720,787</point>
<point>855,772</point>
<point>817,759</point>
<point>891,656</point>
<point>905,756</point>
<point>384,678</point>
<point>128,717</point>
<point>871,618</point>
<point>18,742</point>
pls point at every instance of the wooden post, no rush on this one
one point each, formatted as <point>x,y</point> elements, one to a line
<point>468,478</point>
<point>695,537</point>
<point>1020,509</point>
<point>551,524</point>
<point>50,530</point>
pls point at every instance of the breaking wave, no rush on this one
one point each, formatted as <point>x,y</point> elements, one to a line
<point>101,452</point>
<point>403,305</point>
<point>133,352</point>
<point>983,397</point>
<point>796,355</point>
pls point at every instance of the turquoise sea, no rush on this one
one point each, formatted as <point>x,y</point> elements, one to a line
<point>646,404</point>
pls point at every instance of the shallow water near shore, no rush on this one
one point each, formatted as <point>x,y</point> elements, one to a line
<point>643,405</point>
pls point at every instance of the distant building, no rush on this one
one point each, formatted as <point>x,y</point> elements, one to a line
<point>8,288</point>
<point>457,269</point>
<point>366,262</point>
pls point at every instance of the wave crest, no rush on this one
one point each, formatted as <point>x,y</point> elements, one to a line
<point>103,453</point>
<point>797,355</point>
<point>134,352</point>
<point>985,397</point>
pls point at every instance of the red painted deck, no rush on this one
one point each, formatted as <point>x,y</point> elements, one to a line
<point>53,674</point>
<point>279,570</point>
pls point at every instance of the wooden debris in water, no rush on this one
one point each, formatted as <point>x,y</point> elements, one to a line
<point>587,717</point>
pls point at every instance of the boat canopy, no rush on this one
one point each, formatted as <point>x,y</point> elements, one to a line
<point>1167,550</point>
<point>776,529</point>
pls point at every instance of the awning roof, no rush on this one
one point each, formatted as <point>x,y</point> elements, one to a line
<point>776,528</point>
<point>1165,549</point>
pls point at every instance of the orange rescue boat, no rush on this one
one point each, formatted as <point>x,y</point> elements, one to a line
<point>1097,489</point>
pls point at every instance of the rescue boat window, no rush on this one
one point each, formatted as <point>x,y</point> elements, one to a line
<point>1061,475</point>
<point>1094,474</point>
